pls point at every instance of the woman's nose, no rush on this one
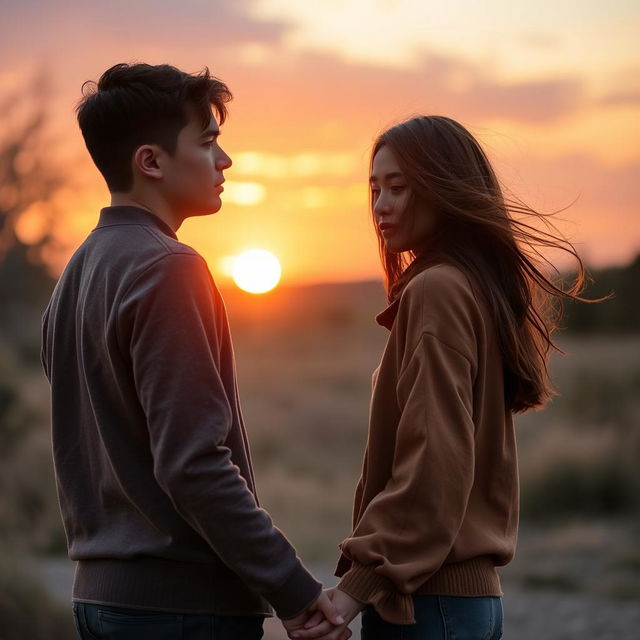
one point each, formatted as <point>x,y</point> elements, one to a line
<point>381,206</point>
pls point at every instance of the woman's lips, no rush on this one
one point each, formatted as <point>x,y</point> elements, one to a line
<point>386,228</point>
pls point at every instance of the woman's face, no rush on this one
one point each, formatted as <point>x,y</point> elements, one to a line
<point>403,228</point>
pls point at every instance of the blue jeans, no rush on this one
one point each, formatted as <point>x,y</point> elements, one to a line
<point>101,622</point>
<point>440,618</point>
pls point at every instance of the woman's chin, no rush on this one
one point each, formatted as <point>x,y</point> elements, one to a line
<point>396,247</point>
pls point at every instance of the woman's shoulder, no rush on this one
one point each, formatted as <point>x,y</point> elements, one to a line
<point>441,301</point>
<point>441,282</point>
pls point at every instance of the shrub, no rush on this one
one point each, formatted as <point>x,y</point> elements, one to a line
<point>27,610</point>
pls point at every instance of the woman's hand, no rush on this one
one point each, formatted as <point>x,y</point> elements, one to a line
<point>319,628</point>
<point>322,609</point>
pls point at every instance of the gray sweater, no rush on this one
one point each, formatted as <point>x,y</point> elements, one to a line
<point>151,456</point>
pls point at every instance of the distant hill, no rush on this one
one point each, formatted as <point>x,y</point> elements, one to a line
<point>340,305</point>
<point>334,305</point>
<point>620,314</point>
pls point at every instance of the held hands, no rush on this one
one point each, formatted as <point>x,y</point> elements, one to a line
<point>321,609</point>
<point>319,626</point>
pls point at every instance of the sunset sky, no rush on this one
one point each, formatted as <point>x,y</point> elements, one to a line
<point>551,89</point>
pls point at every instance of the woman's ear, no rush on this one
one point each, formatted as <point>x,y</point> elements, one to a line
<point>145,161</point>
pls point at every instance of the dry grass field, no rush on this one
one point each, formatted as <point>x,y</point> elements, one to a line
<point>304,362</point>
<point>304,378</point>
<point>304,369</point>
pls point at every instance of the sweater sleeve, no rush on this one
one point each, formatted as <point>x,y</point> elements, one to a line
<point>408,529</point>
<point>173,328</point>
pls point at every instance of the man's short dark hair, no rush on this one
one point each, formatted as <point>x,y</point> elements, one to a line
<point>136,104</point>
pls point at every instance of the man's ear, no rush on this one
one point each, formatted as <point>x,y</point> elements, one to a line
<point>146,161</point>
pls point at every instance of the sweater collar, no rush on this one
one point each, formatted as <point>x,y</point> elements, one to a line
<point>386,317</point>
<point>126,214</point>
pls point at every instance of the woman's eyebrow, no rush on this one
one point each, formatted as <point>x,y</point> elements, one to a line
<point>388,176</point>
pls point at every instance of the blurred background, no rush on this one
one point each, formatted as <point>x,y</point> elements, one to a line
<point>552,91</point>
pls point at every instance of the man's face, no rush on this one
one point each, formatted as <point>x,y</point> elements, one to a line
<point>192,176</point>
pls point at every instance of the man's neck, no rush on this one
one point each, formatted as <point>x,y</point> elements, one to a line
<point>158,209</point>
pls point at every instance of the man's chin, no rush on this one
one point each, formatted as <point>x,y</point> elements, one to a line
<point>215,206</point>
<point>206,210</point>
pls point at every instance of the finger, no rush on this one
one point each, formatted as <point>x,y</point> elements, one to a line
<point>314,620</point>
<point>294,623</point>
<point>338,634</point>
<point>329,610</point>
<point>318,631</point>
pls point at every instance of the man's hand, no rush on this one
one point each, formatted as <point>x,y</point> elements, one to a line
<point>319,627</point>
<point>322,609</point>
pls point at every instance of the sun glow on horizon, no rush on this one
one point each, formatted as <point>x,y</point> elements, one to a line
<point>244,194</point>
<point>256,271</point>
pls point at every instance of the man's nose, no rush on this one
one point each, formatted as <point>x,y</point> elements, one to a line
<point>223,162</point>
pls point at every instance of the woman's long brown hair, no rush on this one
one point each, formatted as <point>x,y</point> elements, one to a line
<point>496,240</point>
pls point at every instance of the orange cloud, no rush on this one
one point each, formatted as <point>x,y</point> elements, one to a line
<point>302,123</point>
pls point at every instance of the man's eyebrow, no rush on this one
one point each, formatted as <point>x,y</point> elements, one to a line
<point>210,132</point>
<point>388,176</point>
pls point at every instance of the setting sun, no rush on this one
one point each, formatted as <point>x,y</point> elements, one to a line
<point>256,271</point>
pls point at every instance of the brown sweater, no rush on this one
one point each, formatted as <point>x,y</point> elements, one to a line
<point>436,508</point>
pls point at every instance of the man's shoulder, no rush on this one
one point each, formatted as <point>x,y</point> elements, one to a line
<point>144,239</point>
<point>121,259</point>
<point>133,248</point>
<point>172,249</point>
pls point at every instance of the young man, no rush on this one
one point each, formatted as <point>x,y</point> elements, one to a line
<point>152,461</point>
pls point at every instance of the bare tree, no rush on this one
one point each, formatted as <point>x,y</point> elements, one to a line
<point>28,177</point>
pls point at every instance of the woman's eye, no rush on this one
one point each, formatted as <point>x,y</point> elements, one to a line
<point>397,188</point>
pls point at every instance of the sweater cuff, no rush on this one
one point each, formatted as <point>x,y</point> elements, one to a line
<point>298,592</point>
<point>365,585</point>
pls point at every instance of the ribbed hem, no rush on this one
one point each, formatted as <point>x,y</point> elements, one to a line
<point>166,585</point>
<point>471,578</point>
<point>476,577</point>
<point>365,585</point>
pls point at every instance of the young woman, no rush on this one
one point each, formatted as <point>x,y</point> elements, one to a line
<point>470,320</point>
